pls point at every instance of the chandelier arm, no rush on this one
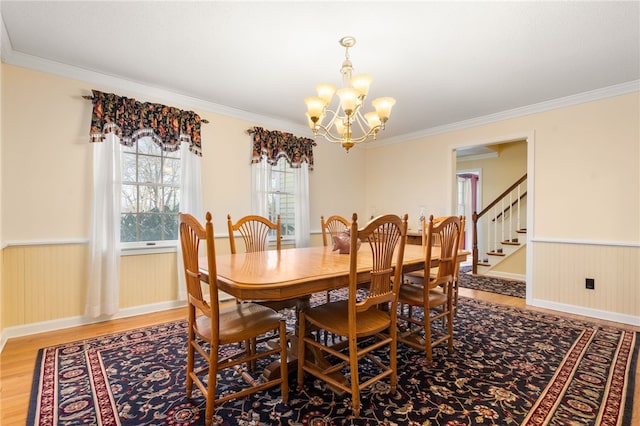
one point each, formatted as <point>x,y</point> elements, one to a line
<point>326,133</point>
<point>362,122</point>
<point>365,136</point>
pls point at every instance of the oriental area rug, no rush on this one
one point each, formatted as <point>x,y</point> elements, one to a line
<point>491,284</point>
<point>509,367</point>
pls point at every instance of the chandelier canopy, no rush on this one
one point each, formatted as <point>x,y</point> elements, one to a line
<point>346,124</point>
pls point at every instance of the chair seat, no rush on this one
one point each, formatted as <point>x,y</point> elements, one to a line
<point>240,322</point>
<point>420,274</point>
<point>414,295</point>
<point>333,317</point>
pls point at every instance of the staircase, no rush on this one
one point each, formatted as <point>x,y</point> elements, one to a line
<point>499,230</point>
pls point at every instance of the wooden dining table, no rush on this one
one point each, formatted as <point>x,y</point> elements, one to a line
<point>297,272</point>
<point>300,272</point>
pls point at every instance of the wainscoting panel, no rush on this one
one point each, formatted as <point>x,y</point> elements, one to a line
<point>46,282</point>
<point>147,279</point>
<point>560,271</point>
<point>43,282</point>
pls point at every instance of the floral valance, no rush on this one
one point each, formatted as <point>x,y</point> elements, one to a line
<point>273,144</point>
<point>131,120</point>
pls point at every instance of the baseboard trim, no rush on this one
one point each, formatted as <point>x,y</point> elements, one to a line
<point>587,312</point>
<point>59,324</point>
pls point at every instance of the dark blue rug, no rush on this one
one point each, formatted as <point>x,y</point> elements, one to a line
<point>510,367</point>
<point>491,284</point>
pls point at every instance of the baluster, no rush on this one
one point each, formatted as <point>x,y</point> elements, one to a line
<point>489,233</point>
<point>518,218</point>
<point>502,219</point>
<point>495,230</point>
<point>510,234</point>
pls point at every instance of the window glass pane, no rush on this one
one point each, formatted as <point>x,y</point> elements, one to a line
<point>171,171</point>
<point>171,227</point>
<point>150,198</point>
<point>149,170</point>
<point>148,146</point>
<point>150,227</point>
<point>129,149</point>
<point>281,200</point>
<point>128,228</point>
<point>171,200</point>
<point>174,154</point>
<point>129,202</point>
<point>128,167</point>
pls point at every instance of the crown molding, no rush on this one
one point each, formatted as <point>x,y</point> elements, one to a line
<point>567,101</point>
<point>9,56</point>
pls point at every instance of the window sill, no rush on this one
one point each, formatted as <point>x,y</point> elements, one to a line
<point>135,250</point>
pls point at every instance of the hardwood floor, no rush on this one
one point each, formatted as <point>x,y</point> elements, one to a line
<point>18,358</point>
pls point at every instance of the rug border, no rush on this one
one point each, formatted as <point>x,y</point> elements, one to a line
<point>35,388</point>
<point>628,405</point>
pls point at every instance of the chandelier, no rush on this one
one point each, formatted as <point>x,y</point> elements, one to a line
<point>346,124</point>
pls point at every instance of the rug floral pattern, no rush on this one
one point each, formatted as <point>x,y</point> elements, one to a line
<point>491,284</point>
<point>510,367</point>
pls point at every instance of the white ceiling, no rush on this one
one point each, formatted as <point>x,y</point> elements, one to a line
<point>444,62</point>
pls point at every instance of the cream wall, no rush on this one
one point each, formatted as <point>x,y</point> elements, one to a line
<point>46,174</point>
<point>46,182</point>
<point>585,174</point>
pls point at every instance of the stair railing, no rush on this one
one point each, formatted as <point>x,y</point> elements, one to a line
<point>513,197</point>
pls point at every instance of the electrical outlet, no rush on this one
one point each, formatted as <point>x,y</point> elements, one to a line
<point>590,283</point>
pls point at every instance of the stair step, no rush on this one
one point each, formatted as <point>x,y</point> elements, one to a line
<point>521,231</point>
<point>495,253</point>
<point>510,243</point>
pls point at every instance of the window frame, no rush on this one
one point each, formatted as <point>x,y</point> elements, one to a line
<point>149,246</point>
<point>275,195</point>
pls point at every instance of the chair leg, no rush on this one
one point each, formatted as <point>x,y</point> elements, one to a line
<point>455,297</point>
<point>355,379</point>
<point>450,326</point>
<point>393,357</point>
<point>427,335</point>
<point>211,388</point>
<point>284,366</point>
<point>301,346</point>
<point>190,362</point>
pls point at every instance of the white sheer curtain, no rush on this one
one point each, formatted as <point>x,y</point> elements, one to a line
<point>465,207</point>
<point>260,185</point>
<point>302,205</point>
<point>104,238</point>
<point>190,202</point>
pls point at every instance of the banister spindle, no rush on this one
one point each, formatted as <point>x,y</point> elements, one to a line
<point>510,215</point>
<point>502,220</point>
<point>518,218</point>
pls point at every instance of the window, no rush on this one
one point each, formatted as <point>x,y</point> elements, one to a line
<point>281,199</point>
<point>150,193</point>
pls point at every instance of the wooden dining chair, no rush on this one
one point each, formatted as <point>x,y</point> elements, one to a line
<point>434,295</point>
<point>418,276</point>
<point>211,328</point>
<point>255,231</point>
<point>333,227</point>
<point>367,319</point>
